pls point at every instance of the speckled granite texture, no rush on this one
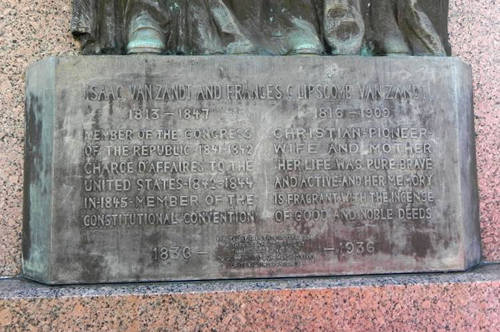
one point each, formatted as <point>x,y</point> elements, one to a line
<point>437,302</point>
<point>30,30</point>
<point>475,37</point>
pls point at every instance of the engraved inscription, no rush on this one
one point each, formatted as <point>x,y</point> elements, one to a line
<point>277,175</point>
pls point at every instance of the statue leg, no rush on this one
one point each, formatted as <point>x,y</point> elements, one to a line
<point>228,25</point>
<point>343,26</point>
<point>419,29</point>
<point>301,27</point>
<point>386,35</point>
<point>145,33</point>
<point>201,36</point>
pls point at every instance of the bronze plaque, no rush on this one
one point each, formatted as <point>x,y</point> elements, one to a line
<point>177,168</point>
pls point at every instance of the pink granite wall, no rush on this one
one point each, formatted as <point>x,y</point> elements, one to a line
<point>30,30</point>
<point>435,307</point>
<point>475,37</point>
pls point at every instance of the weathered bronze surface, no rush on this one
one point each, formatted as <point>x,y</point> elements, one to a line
<point>407,27</point>
<point>274,27</point>
<point>147,168</point>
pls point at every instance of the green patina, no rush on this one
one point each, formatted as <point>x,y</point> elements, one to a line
<point>40,110</point>
<point>265,27</point>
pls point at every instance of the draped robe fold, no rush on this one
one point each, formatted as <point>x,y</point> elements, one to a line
<point>276,27</point>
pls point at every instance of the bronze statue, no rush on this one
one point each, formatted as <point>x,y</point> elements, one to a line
<point>343,26</point>
<point>288,27</point>
<point>280,27</point>
<point>98,25</point>
<point>183,27</point>
<point>157,26</point>
<point>404,27</point>
<point>275,27</point>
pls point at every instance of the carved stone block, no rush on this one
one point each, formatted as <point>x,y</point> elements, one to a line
<point>150,168</point>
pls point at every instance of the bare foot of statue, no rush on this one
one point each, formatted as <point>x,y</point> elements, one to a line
<point>303,39</point>
<point>239,47</point>
<point>304,50</point>
<point>395,45</point>
<point>344,27</point>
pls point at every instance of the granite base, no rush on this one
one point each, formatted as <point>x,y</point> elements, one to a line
<point>436,302</point>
